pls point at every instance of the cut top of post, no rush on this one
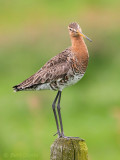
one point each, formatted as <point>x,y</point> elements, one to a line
<point>69,149</point>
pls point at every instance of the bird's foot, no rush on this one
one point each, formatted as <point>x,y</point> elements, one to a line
<point>58,134</point>
<point>63,136</point>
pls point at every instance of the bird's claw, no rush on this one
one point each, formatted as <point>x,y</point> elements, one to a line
<point>58,134</point>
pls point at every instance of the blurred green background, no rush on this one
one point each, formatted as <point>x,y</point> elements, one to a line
<point>33,31</point>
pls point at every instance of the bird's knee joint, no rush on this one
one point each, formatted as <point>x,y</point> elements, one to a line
<point>58,107</point>
<point>53,106</point>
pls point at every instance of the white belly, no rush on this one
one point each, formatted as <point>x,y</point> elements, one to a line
<point>43,87</point>
<point>70,81</point>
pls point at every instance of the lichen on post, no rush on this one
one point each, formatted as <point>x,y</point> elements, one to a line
<point>69,149</point>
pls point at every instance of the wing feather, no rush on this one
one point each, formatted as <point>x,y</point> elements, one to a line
<point>54,69</point>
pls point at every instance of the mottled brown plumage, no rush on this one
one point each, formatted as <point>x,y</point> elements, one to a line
<point>58,71</point>
<point>63,70</point>
<point>54,69</point>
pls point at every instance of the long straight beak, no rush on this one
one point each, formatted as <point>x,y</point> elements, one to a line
<point>81,34</point>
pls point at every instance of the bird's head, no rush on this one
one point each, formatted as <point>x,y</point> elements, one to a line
<point>75,31</point>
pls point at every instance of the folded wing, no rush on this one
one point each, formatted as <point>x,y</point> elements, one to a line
<point>54,69</point>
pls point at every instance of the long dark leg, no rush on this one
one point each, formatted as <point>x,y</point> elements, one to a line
<point>55,115</point>
<point>59,113</point>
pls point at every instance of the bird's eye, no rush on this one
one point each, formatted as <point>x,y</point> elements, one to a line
<point>70,29</point>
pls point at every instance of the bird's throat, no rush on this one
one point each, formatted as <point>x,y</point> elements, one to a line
<point>78,45</point>
<point>80,51</point>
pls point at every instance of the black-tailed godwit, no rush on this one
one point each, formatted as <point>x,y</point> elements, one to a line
<point>63,70</point>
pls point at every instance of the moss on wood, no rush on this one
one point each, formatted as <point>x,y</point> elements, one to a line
<point>69,149</point>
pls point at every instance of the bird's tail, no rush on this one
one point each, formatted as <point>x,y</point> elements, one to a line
<point>25,85</point>
<point>17,88</point>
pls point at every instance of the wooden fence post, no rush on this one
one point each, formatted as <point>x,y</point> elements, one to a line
<point>69,149</point>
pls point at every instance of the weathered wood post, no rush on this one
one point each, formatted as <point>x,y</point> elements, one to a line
<point>69,149</point>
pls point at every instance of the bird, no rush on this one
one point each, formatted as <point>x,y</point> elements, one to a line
<point>61,71</point>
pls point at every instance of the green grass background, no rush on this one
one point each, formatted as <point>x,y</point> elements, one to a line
<point>33,31</point>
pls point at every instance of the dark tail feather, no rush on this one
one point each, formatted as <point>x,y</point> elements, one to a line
<point>17,88</point>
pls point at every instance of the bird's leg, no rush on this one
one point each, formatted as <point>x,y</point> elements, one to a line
<point>55,115</point>
<point>59,113</point>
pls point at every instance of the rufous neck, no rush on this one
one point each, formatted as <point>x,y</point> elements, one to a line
<point>77,42</point>
<point>80,51</point>
<point>79,47</point>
